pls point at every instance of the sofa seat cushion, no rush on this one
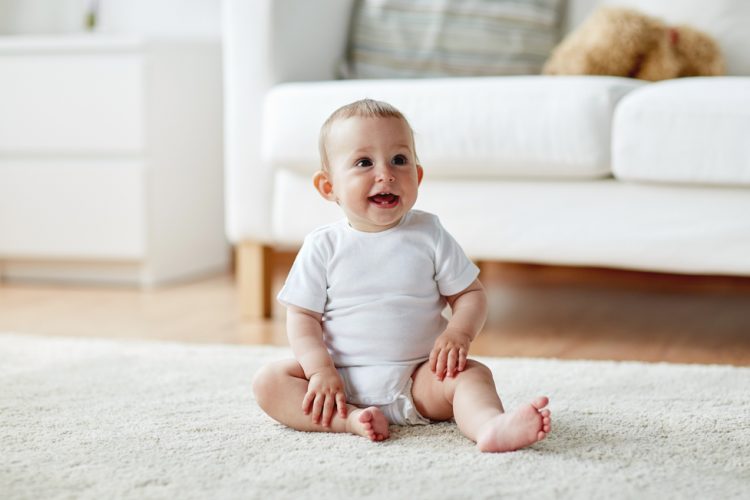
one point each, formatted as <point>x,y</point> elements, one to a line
<point>491,127</point>
<point>606,223</point>
<point>691,130</point>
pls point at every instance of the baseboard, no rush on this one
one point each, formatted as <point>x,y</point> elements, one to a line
<point>106,273</point>
<point>559,275</point>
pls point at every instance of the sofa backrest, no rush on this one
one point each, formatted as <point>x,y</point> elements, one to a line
<point>726,20</point>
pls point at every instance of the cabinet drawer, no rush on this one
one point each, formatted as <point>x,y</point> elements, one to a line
<point>73,209</point>
<point>71,102</point>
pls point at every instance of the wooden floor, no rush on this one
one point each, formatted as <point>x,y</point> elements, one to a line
<point>534,311</point>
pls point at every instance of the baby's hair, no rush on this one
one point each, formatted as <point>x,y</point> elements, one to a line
<point>367,108</point>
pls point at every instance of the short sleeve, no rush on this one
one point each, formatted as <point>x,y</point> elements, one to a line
<point>306,283</point>
<point>454,271</point>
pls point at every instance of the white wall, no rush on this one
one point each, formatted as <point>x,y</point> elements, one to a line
<point>164,18</point>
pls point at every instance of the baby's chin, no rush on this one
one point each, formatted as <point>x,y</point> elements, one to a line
<point>379,215</point>
<point>375,225</point>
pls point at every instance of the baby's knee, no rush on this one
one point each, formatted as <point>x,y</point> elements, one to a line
<point>264,384</point>
<point>477,369</point>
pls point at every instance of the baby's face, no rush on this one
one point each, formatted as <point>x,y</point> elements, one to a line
<point>373,173</point>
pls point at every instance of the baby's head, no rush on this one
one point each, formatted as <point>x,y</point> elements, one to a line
<point>369,164</point>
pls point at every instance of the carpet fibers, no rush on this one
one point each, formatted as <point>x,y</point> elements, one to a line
<point>82,418</point>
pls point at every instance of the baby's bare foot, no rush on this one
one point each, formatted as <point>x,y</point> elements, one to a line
<point>511,431</point>
<point>369,422</point>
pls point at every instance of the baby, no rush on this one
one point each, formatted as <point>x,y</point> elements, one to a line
<point>364,304</point>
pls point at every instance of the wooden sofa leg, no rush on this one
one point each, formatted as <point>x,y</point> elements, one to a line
<point>254,269</point>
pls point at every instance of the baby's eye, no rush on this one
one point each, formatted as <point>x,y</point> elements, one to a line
<point>400,160</point>
<point>363,162</point>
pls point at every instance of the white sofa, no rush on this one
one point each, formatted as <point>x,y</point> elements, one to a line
<point>581,171</point>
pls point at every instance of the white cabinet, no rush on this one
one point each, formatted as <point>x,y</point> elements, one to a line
<point>110,159</point>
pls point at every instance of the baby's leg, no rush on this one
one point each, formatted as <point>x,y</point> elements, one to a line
<point>279,389</point>
<point>472,399</point>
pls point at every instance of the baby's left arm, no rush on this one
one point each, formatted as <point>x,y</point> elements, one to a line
<point>469,307</point>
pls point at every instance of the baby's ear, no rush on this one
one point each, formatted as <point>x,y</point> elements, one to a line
<point>420,174</point>
<point>323,184</point>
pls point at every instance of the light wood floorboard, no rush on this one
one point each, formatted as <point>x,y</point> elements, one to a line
<point>534,312</point>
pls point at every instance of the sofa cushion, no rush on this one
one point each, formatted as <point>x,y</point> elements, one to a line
<point>532,126</point>
<point>692,130</point>
<point>393,38</point>
<point>582,223</point>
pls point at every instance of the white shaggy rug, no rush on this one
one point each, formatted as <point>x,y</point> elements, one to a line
<point>83,418</point>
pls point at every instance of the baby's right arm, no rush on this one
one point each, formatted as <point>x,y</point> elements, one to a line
<point>326,389</point>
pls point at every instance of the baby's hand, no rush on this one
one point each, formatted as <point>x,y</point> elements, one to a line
<point>448,356</point>
<point>324,391</point>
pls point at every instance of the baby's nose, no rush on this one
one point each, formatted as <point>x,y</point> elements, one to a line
<point>384,174</point>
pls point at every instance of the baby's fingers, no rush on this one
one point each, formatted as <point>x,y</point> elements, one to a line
<point>433,359</point>
<point>441,361</point>
<point>461,359</point>
<point>452,361</point>
<point>307,402</point>
<point>341,404</point>
<point>328,410</point>
<point>318,407</point>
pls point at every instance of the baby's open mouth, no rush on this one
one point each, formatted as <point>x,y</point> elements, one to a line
<point>384,200</point>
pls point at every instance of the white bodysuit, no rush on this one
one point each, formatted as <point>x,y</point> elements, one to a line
<point>381,296</point>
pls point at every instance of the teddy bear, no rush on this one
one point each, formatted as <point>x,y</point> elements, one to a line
<point>624,42</point>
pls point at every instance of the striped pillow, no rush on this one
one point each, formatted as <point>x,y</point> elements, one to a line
<point>433,38</point>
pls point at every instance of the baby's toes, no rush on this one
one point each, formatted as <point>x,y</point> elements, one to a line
<point>540,435</point>
<point>545,413</point>
<point>546,424</point>
<point>540,402</point>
